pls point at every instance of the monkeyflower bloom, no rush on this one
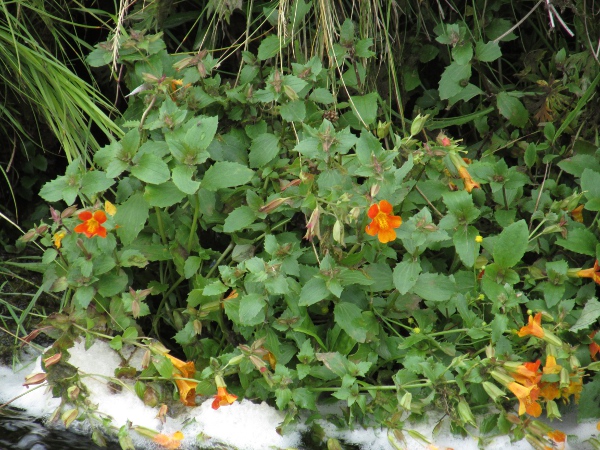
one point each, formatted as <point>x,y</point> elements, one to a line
<point>58,237</point>
<point>170,442</point>
<point>533,327</point>
<point>92,224</point>
<point>461,166</point>
<point>526,373</point>
<point>382,222</point>
<point>592,272</point>
<point>187,389</point>
<point>527,397</point>
<point>223,398</point>
<point>594,347</point>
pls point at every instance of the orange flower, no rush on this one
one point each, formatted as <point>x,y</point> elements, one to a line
<point>575,387</point>
<point>470,184</point>
<point>92,224</point>
<point>527,373</point>
<point>549,391</point>
<point>551,367</point>
<point>592,272</point>
<point>533,327</point>
<point>383,223</point>
<point>594,348</point>
<point>223,398</point>
<point>577,214</point>
<point>557,436</point>
<point>527,398</point>
<point>58,237</point>
<point>187,389</point>
<point>172,442</point>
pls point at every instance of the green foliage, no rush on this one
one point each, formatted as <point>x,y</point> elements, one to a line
<point>252,227</point>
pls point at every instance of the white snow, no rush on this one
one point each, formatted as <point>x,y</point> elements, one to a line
<point>244,425</point>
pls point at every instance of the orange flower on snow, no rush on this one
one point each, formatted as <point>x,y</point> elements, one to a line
<point>187,389</point>
<point>592,272</point>
<point>533,327</point>
<point>594,347</point>
<point>383,222</point>
<point>92,224</point>
<point>223,398</point>
<point>172,442</point>
<point>527,397</point>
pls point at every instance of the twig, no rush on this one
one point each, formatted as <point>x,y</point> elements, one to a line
<point>518,24</point>
<point>143,119</point>
<point>439,214</point>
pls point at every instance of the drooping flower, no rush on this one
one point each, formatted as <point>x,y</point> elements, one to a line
<point>223,398</point>
<point>383,222</point>
<point>460,164</point>
<point>577,214</point>
<point>526,373</point>
<point>58,237</point>
<point>527,397</point>
<point>92,224</point>
<point>170,442</point>
<point>533,327</point>
<point>592,272</point>
<point>594,347</point>
<point>187,389</point>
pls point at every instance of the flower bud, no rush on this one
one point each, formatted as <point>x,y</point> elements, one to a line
<point>383,129</point>
<point>273,205</point>
<point>37,378</point>
<point>552,411</point>
<point>493,391</point>
<point>31,234</point>
<point>465,413</point>
<point>551,338</point>
<point>333,444</point>
<point>565,378</point>
<point>69,416</point>
<point>418,124</point>
<point>68,212</point>
<point>73,392</point>
<point>490,351</point>
<point>49,361</point>
<point>406,401</point>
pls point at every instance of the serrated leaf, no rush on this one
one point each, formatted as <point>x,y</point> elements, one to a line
<point>131,216</point>
<point>590,183</point>
<point>488,52</point>
<point>182,178</point>
<point>239,219</point>
<point>151,169</point>
<point>94,182</point>
<point>580,240</point>
<point>224,174</point>
<point>589,315</point>
<point>348,316</point>
<point>499,326</point>
<point>268,47</point>
<point>406,274</point>
<point>365,107</point>
<point>252,309</point>
<point>313,291</point>
<point>293,111</point>
<point>264,148</point>
<point>163,195</point>
<point>434,287</point>
<point>512,108</point>
<point>511,244</point>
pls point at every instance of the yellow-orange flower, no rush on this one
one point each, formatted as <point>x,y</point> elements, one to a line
<point>527,397</point>
<point>551,367</point>
<point>577,214</point>
<point>470,184</point>
<point>223,398</point>
<point>575,387</point>
<point>92,224</point>
<point>533,327</point>
<point>187,389</point>
<point>527,373</point>
<point>549,391</point>
<point>594,348</point>
<point>171,442</point>
<point>58,237</point>
<point>383,222</point>
<point>592,272</point>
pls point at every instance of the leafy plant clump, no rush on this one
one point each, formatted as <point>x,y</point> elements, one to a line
<point>292,237</point>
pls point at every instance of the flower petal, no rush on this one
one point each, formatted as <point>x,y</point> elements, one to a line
<point>385,207</point>
<point>373,211</point>
<point>386,236</point>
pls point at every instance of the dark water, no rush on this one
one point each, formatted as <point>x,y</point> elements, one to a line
<point>19,431</point>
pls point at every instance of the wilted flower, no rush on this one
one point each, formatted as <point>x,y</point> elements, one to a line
<point>110,209</point>
<point>92,224</point>
<point>577,214</point>
<point>170,442</point>
<point>383,222</point>
<point>223,398</point>
<point>58,237</point>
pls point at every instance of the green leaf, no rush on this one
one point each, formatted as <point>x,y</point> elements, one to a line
<point>224,174</point>
<point>268,47</point>
<point>578,163</point>
<point>294,111</point>
<point>182,177</point>
<point>488,52</point>
<point>466,247</point>
<point>460,205</point>
<point>590,183</point>
<point>163,195</point>
<point>589,404</point>
<point>348,317</point>
<point>151,169</point>
<point>264,148</point>
<point>239,219</point>
<point>499,326</point>
<point>462,53</point>
<point>434,287</point>
<point>589,315</point>
<point>512,108</point>
<point>511,244</point>
<point>452,79</point>
<point>406,274</point>
<point>252,309</point>
<point>53,190</point>
<point>580,240</point>
<point>163,365</point>
<point>83,296</point>
<point>313,291</point>
<point>321,95</point>
<point>95,182</point>
<point>132,258</point>
<point>365,107</point>
<point>131,216</point>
